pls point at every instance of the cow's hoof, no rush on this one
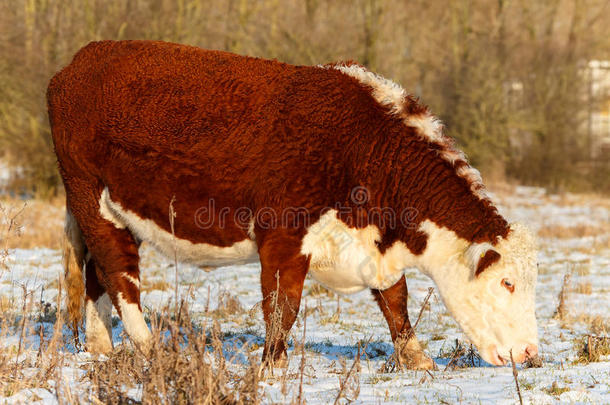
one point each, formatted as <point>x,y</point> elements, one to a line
<point>98,345</point>
<point>269,366</point>
<point>412,356</point>
<point>413,360</point>
<point>280,361</point>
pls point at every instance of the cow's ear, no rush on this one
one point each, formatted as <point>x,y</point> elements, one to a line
<point>480,256</point>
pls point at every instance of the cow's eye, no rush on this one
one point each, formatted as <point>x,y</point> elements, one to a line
<point>508,285</point>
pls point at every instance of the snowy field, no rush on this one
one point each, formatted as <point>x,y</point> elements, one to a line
<point>574,236</point>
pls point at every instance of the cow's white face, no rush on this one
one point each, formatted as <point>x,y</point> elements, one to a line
<point>490,291</point>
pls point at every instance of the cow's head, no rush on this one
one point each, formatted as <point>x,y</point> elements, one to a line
<point>490,291</point>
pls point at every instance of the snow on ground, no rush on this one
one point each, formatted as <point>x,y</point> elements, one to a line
<point>336,325</point>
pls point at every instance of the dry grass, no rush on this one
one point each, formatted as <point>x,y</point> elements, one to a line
<point>38,225</point>
<point>583,288</point>
<point>228,305</point>
<point>561,312</point>
<point>598,325</point>
<point>151,285</point>
<point>577,231</point>
<point>21,367</point>
<point>555,390</point>
<point>591,348</point>
<point>460,356</point>
<point>185,366</point>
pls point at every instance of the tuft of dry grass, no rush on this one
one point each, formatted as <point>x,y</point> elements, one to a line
<point>555,390</point>
<point>460,356</point>
<point>20,366</point>
<point>561,312</point>
<point>228,305</point>
<point>598,325</point>
<point>10,216</point>
<point>151,285</point>
<point>533,362</point>
<point>318,290</point>
<point>583,288</point>
<point>591,348</point>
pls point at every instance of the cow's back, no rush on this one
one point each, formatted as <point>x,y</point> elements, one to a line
<point>141,93</point>
<point>175,111</point>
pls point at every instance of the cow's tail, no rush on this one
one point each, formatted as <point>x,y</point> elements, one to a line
<point>74,264</point>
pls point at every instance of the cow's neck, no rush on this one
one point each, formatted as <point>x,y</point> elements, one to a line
<point>426,187</point>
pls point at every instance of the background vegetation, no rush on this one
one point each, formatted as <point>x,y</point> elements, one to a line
<point>508,77</point>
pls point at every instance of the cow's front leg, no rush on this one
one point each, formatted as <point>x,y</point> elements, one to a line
<point>393,304</point>
<point>283,273</point>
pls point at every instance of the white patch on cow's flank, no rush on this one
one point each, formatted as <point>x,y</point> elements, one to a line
<point>131,279</point>
<point>107,213</point>
<point>98,325</point>
<point>134,324</point>
<point>204,254</point>
<point>347,260</point>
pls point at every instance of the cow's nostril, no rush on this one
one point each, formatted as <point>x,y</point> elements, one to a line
<point>531,350</point>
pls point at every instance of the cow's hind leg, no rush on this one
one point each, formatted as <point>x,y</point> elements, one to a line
<point>114,260</point>
<point>393,304</point>
<point>98,307</point>
<point>98,312</point>
<point>283,273</point>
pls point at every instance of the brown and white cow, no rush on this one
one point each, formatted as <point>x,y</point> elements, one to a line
<point>371,183</point>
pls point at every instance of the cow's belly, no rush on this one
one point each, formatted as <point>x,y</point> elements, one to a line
<point>340,279</point>
<point>203,254</point>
